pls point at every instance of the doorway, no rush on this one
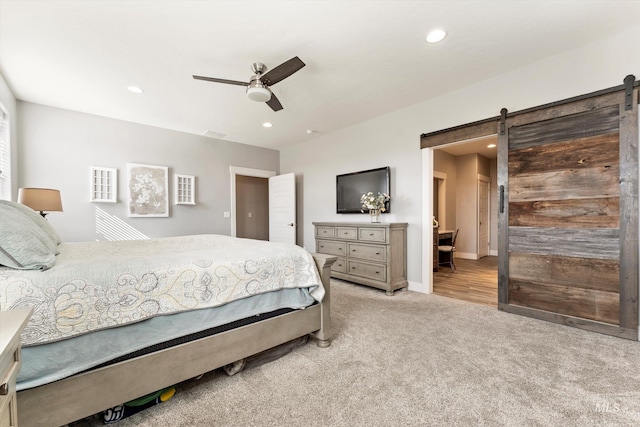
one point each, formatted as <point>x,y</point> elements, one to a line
<point>252,207</point>
<point>464,173</point>
<point>236,171</point>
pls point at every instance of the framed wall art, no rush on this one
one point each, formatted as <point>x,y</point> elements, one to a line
<point>148,187</point>
<point>184,189</point>
<point>104,185</point>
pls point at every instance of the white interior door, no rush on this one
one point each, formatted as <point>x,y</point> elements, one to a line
<point>282,208</point>
<point>483,218</point>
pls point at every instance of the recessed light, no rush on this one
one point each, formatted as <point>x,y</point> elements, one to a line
<point>267,124</point>
<point>310,131</point>
<point>134,89</point>
<point>491,146</point>
<point>435,36</point>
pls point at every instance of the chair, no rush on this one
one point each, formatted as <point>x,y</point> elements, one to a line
<point>446,253</point>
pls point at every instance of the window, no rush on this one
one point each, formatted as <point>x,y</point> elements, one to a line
<point>185,189</point>
<point>104,185</point>
<point>5,156</point>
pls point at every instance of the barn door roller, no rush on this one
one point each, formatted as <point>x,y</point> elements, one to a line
<point>628,92</point>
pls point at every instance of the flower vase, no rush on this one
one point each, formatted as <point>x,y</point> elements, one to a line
<point>375,215</point>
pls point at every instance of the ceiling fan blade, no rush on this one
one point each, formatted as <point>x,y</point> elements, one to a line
<point>282,71</point>
<point>213,79</point>
<point>274,103</point>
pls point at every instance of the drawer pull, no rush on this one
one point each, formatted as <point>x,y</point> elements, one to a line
<point>339,249</point>
<point>13,372</point>
<point>370,234</point>
<point>322,246</point>
<point>353,250</point>
<point>377,253</point>
<point>345,233</point>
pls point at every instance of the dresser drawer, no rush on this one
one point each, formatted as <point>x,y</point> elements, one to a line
<point>372,234</point>
<point>348,233</point>
<point>331,248</point>
<point>8,410</point>
<point>371,271</point>
<point>328,232</point>
<point>368,252</point>
<point>340,266</point>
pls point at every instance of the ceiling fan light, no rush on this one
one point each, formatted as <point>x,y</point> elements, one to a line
<point>259,94</point>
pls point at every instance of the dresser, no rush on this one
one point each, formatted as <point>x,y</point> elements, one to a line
<point>12,323</point>
<point>370,254</point>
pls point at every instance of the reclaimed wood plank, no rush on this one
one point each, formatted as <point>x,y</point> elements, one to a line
<point>573,213</point>
<point>593,151</point>
<point>588,183</point>
<point>460,133</point>
<point>566,107</point>
<point>574,322</point>
<point>572,301</point>
<point>587,273</point>
<point>629,213</point>
<point>597,243</point>
<point>566,127</point>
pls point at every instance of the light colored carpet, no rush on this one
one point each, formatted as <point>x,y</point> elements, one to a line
<point>421,360</point>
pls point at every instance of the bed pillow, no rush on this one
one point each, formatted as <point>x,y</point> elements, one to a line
<point>37,218</point>
<point>24,245</point>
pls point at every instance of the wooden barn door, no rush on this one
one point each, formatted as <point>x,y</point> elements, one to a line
<point>568,218</point>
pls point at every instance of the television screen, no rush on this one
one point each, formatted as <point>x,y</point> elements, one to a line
<point>351,186</point>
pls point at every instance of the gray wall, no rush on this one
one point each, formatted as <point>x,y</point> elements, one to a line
<point>394,139</point>
<point>57,147</point>
<point>467,204</point>
<point>446,163</point>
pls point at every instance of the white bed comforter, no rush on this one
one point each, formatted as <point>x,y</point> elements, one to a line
<point>98,285</point>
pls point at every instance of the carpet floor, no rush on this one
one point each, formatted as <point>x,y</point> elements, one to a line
<point>421,360</point>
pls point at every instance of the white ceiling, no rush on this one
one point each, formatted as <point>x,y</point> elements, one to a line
<point>363,58</point>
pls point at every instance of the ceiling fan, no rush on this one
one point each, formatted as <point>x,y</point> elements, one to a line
<point>258,87</point>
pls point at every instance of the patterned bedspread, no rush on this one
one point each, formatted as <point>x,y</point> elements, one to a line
<point>98,285</point>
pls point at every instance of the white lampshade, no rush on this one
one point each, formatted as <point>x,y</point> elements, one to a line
<point>259,93</point>
<point>40,199</point>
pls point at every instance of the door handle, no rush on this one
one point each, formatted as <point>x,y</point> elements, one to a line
<point>290,224</point>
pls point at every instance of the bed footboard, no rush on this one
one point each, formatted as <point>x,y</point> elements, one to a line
<point>324,263</point>
<point>85,394</point>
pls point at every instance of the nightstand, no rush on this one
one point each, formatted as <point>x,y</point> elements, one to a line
<point>12,323</point>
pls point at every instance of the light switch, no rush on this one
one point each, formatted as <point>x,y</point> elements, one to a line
<point>250,214</point>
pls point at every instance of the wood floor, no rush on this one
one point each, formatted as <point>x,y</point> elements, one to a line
<point>473,281</point>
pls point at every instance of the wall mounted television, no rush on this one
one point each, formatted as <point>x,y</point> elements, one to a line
<point>350,186</point>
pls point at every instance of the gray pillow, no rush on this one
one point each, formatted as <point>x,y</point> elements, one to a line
<point>23,244</point>
<point>37,218</point>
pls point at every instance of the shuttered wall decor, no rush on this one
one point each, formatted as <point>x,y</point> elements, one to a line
<point>568,213</point>
<point>568,228</point>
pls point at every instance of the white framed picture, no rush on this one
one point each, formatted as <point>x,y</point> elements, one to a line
<point>104,184</point>
<point>148,187</point>
<point>185,189</point>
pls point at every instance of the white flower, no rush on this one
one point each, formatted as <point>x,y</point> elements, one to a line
<point>373,202</point>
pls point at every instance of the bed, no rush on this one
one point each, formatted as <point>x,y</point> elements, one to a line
<point>113,321</point>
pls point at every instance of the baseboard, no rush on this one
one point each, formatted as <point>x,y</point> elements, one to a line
<point>418,287</point>
<point>467,255</point>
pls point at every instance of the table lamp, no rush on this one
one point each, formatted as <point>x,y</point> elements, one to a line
<point>41,199</point>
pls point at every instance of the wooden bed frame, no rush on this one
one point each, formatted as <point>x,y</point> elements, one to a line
<point>88,393</point>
